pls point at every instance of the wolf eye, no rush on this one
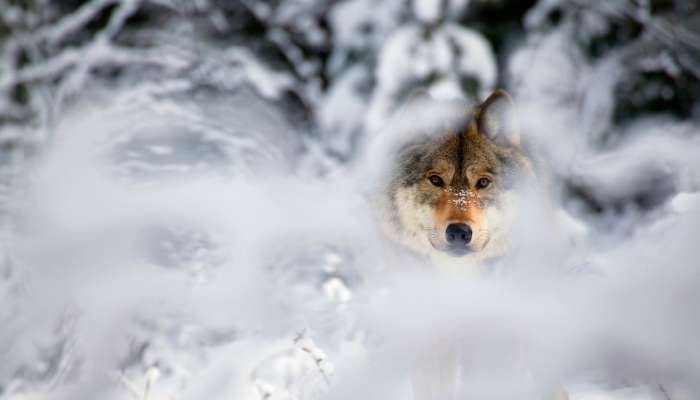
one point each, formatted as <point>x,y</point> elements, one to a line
<point>436,180</point>
<point>483,183</point>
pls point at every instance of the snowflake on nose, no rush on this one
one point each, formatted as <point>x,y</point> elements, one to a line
<point>463,198</point>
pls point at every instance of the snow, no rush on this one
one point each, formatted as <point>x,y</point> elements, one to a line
<point>427,11</point>
<point>174,232</point>
<point>70,219</point>
<point>404,64</point>
<point>684,202</point>
<point>361,21</point>
<point>463,198</point>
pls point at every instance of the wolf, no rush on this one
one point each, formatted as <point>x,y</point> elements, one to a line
<point>451,194</point>
<point>452,198</point>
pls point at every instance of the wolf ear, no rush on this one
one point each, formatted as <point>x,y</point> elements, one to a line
<point>496,118</point>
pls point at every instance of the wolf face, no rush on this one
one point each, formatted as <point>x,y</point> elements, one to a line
<point>452,193</point>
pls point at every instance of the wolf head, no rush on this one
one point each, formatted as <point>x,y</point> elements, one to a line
<point>451,193</point>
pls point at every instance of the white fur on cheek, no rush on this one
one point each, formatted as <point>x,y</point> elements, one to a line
<point>416,220</point>
<point>500,220</point>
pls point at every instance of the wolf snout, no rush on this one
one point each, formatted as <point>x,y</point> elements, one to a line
<point>458,235</point>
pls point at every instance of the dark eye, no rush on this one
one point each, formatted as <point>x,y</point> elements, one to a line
<point>436,180</point>
<point>483,183</point>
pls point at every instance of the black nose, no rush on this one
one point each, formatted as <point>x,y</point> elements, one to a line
<point>458,234</point>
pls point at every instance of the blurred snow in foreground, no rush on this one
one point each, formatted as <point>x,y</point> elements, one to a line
<point>179,235</point>
<point>141,271</point>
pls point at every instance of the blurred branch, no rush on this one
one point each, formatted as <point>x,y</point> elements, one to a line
<point>683,42</point>
<point>150,377</point>
<point>290,44</point>
<point>57,73</point>
<point>71,23</point>
<point>99,51</point>
<point>664,392</point>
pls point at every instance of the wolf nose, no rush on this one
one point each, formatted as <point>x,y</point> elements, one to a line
<point>458,234</point>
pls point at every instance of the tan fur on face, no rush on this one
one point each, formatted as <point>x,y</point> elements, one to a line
<point>424,226</point>
<point>461,206</point>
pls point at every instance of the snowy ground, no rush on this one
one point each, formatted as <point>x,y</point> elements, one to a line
<point>139,271</point>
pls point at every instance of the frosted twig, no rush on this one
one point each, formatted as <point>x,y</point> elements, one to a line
<point>316,354</point>
<point>55,33</point>
<point>133,390</point>
<point>667,34</point>
<point>664,392</point>
<point>151,377</point>
<point>97,52</point>
<point>126,9</point>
